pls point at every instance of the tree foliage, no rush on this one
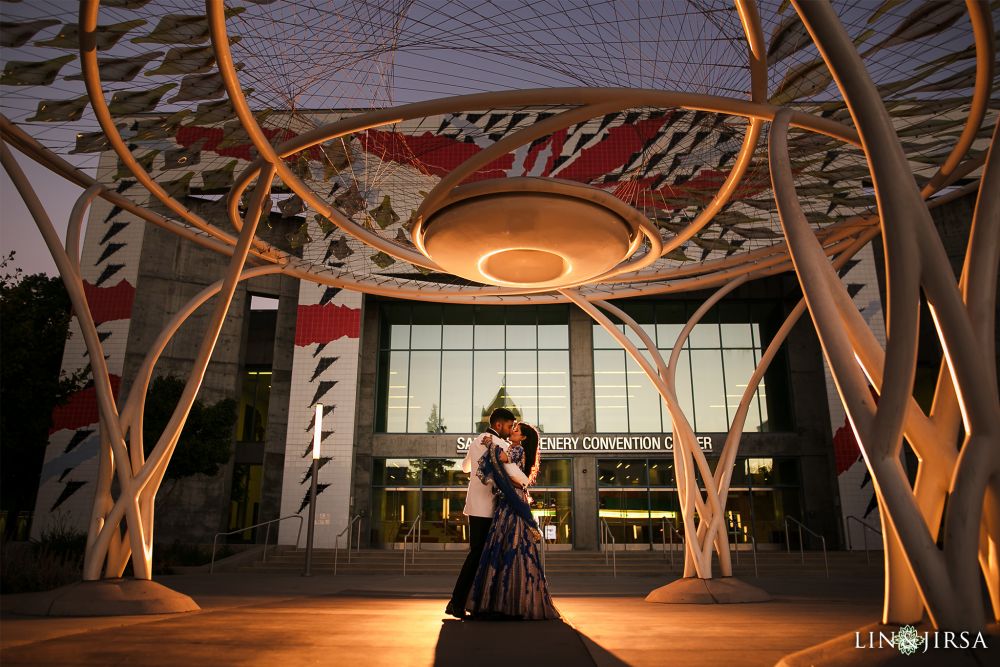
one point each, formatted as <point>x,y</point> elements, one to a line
<point>206,440</point>
<point>34,326</point>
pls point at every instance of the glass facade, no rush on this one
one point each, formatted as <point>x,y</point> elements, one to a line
<point>443,369</point>
<point>434,489</point>
<point>712,372</point>
<point>637,497</point>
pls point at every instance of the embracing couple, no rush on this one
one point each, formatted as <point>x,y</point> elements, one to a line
<point>502,577</point>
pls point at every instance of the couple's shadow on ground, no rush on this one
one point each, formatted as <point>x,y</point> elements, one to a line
<point>516,644</point>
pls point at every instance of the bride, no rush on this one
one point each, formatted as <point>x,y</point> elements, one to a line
<point>509,581</point>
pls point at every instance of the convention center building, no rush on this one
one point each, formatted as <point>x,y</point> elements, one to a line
<point>406,385</point>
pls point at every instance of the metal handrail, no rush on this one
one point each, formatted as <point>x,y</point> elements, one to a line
<point>672,530</point>
<point>267,536</point>
<point>865,527</point>
<point>336,541</point>
<point>606,533</point>
<point>802,553</point>
<point>417,524</point>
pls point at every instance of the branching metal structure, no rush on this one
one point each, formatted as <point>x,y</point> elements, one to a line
<point>956,499</point>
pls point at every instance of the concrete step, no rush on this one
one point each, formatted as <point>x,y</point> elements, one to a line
<point>634,563</point>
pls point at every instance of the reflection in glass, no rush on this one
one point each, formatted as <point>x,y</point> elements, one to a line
<point>621,472</point>
<point>740,366</point>
<point>522,384</point>
<point>393,510</point>
<point>487,385</point>
<point>251,424</point>
<point>610,391</point>
<point>553,391</point>
<point>444,472</point>
<point>442,368</point>
<point>555,472</point>
<point>396,472</point>
<point>661,472</point>
<point>441,517</point>
<point>399,391</point>
<point>627,514</point>
<point>456,389</point>
<point>643,400</point>
<point>554,508</point>
<point>425,388</point>
<point>709,391</point>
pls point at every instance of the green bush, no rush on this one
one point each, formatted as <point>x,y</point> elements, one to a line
<point>40,565</point>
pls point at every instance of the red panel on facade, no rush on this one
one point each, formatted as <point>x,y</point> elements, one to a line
<point>430,153</point>
<point>81,409</point>
<point>845,447</point>
<point>323,324</point>
<point>110,303</point>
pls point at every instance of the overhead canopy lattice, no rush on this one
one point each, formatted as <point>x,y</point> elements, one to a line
<point>307,63</point>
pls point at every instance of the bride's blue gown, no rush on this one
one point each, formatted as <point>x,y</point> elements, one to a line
<point>510,580</point>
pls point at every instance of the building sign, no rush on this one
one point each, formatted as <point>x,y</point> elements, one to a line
<point>602,443</point>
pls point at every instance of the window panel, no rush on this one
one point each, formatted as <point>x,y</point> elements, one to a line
<point>423,413</point>
<point>610,391</point>
<point>521,377</point>
<point>643,400</point>
<point>489,373</point>
<point>603,340</point>
<point>739,368</point>
<point>456,392</point>
<point>709,391</point>
<point>521,337</point>
<point>705,334</point>
<point>553,391</point>
<point>553,337</point>
<point>425,337</point>
<point>399,392</point>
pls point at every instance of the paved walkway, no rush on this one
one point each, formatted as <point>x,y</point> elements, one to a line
<point>375,620</point>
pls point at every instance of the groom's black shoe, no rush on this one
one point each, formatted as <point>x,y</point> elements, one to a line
<point>454,610</point>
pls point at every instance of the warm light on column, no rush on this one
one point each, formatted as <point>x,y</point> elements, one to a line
<point>318,431</point>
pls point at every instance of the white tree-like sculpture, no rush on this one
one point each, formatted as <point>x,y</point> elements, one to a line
<point>510,237</point>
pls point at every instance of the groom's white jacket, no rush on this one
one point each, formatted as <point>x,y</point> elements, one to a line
<point>479,499</point>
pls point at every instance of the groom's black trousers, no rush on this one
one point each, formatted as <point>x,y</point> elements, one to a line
<point>479,527</point>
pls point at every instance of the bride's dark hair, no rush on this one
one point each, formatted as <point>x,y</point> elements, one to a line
<point>530,444</point>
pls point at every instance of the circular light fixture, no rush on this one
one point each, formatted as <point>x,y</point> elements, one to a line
<point>530,232</point>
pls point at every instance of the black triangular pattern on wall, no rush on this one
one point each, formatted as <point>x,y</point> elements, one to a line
<point>328,294</point>
<point>846,268</point>
<point>324,387</point>
<point>319,348</point>
<point>78,437</point>
<point>320,488</point>
<point>109,270</point>
<point>68,490</point>
<point>64,473</point>
<point>323,364</point>
<point>327,411</point>
<point>123,186</point>
<point>320,462</point>
<point>115,210</point>
<point>307,452</point>
<point>113,230</point>
<point>103,335</point>
<point>109,250</point>
<point>854,288</point>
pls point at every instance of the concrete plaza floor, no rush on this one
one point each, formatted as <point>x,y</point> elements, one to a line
<point>280,619</point>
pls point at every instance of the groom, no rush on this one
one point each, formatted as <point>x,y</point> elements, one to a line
<point>479,504</point>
